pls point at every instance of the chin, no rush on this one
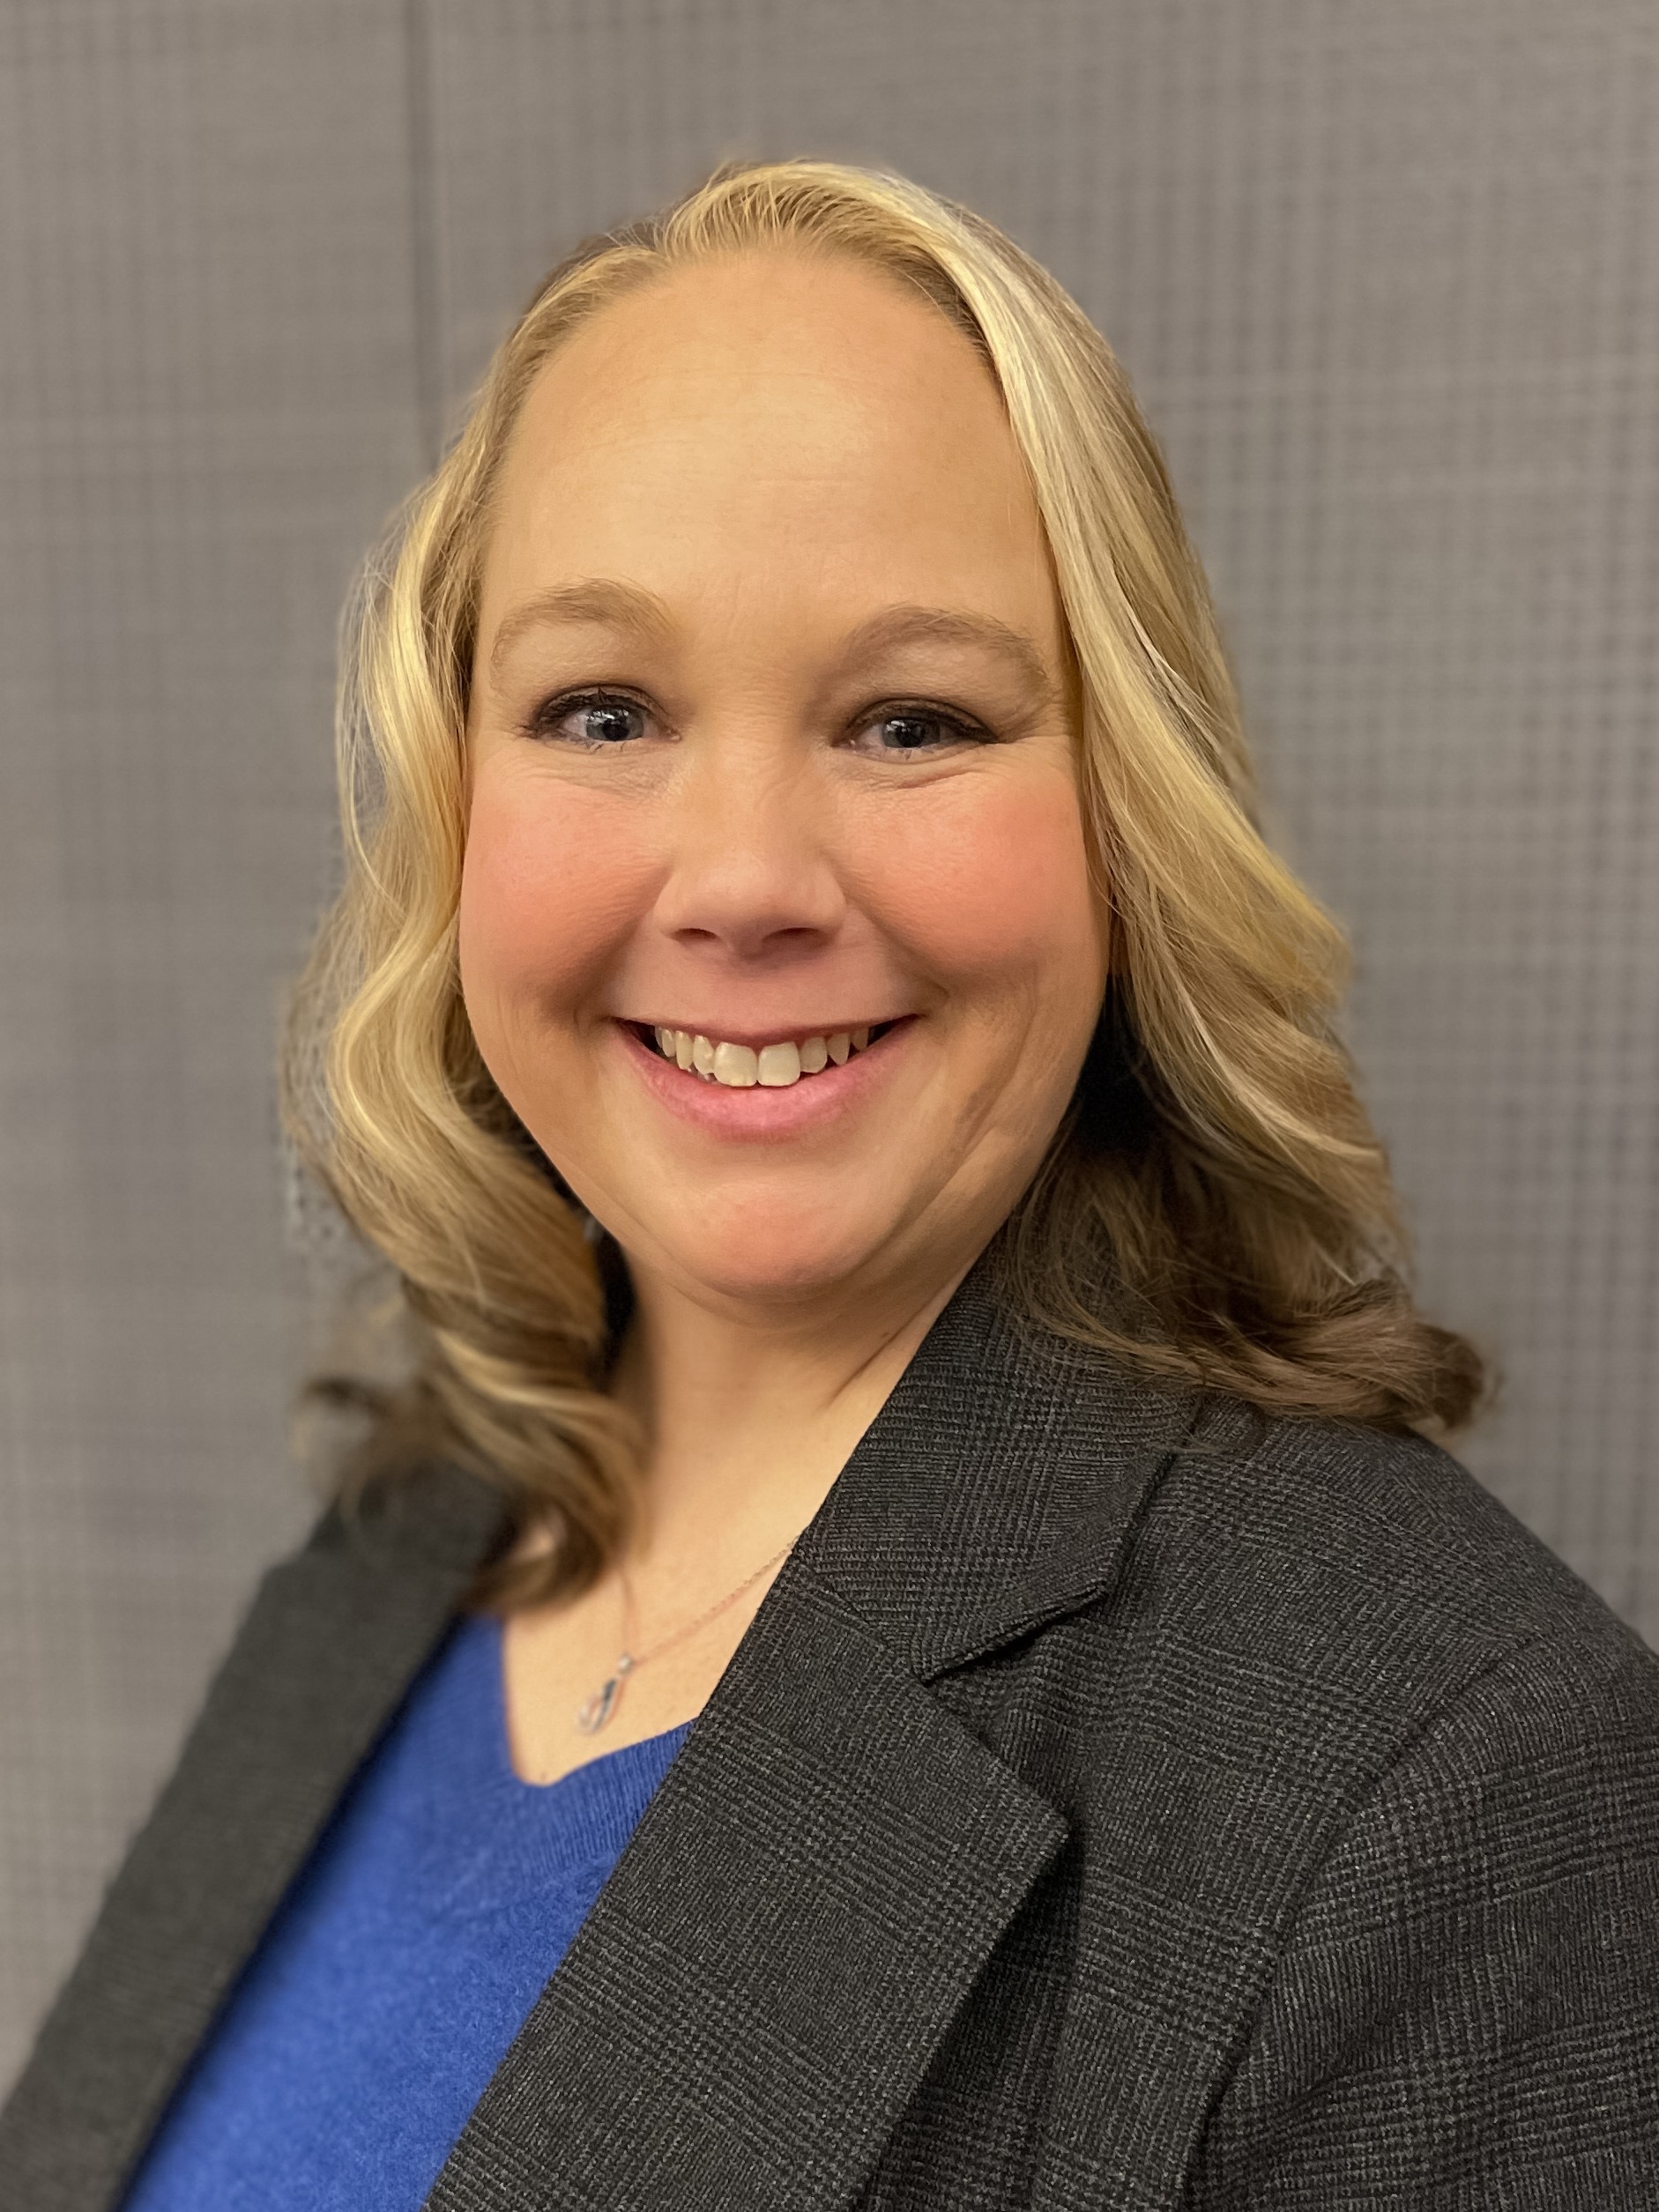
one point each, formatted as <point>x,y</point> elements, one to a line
<point>774,1261</point>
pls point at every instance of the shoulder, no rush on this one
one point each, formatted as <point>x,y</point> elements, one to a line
<point>1369,1573</point>
<point>1312,1628</point>
<point>1454,1745</point>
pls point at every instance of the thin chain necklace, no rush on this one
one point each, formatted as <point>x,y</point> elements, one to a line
<point>593,1712</point>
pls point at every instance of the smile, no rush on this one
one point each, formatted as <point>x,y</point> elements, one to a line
<point>771,1067</point>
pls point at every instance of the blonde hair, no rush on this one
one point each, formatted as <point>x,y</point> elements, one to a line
<point>1216,1149</point>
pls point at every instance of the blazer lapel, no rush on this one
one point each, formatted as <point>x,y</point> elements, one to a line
<point>832,1857</point>
<point>763,1979</point>
<point>327,1649</point>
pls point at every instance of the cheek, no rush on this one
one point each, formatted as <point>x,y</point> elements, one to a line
<point>992,885</point>
<point>550,887</point>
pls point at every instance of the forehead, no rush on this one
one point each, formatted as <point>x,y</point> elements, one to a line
<point>776,416</point>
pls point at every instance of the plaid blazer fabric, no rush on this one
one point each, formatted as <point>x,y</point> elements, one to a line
<point>1121,1801</point>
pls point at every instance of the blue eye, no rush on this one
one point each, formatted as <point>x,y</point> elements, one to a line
<point>601,718</point>
<point>602,721</point>
<point>908,730</point>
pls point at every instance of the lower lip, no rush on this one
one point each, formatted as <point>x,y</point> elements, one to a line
<point>760,1112</point>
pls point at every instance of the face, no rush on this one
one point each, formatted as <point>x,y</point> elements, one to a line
<point>776,926</point>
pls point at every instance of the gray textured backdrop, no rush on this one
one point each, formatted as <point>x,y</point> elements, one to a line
<point>1387,278</point>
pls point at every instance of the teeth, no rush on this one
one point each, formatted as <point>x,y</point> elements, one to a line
<point>774,1066</point>
<point>736,1065</point>
<point>779,1064</point>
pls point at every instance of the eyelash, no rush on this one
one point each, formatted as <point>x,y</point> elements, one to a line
<point>543,723</point>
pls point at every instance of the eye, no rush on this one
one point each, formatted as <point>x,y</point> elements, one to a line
<point>905,732</point>
<point>604,721</point>
<point>594,721</point>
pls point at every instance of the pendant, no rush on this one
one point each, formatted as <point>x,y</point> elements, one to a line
<point>593,1712</point>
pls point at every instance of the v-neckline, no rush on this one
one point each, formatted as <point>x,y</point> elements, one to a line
<point>490,1630</point>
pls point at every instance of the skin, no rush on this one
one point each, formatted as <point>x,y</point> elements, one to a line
<point>777,826</point>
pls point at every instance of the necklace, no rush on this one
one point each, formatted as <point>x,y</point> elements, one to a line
<point>594,1712</point>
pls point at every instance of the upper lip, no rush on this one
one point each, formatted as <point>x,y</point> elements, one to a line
<point>784,1033</point>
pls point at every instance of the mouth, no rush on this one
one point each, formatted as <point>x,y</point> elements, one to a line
<point>769,1064</point>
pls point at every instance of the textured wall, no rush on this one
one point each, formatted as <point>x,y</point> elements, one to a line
<point>1387,279</point>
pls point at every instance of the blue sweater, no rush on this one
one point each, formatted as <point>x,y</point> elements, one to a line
<point>401,1964</point>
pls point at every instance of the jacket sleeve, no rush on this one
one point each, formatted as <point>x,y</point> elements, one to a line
<point>1465,2014</point>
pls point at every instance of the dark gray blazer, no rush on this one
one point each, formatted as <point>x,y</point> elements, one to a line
<point>1119,1801</point>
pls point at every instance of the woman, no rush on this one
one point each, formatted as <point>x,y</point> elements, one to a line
<point>907,1641</point>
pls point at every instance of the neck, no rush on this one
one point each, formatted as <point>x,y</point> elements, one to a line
<point>752,1414</point>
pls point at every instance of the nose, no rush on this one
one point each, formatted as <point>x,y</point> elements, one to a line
<point>750,874</point>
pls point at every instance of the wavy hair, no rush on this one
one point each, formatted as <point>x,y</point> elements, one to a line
<point>1216,1149</point>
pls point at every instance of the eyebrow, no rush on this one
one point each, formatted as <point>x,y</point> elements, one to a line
<point>592,600</point>
<point>600,600</point>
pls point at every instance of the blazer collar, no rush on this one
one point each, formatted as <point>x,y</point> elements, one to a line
<point>995,1488</point>
<point>813,1889</point>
